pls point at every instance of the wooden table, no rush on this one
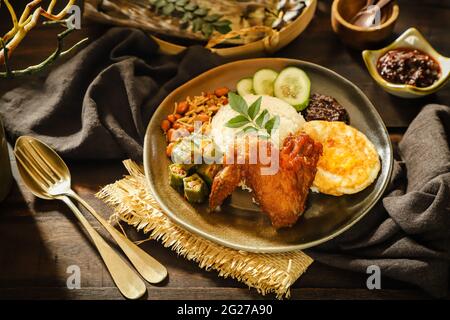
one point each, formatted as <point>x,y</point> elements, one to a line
<point>40,239</point>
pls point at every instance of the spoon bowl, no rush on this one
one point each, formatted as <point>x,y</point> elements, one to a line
<point>371,15</point>
<point>362,11</point>
<point>31,184</point>
<point>30,170</point>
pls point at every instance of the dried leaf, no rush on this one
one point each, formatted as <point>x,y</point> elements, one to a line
<point>191,7</point>
<point>212,18</point>
<point>168,9</point>
<point>223,29</point>
<point>201,12</point>
<point>207,29</point>
<point>197,24</point>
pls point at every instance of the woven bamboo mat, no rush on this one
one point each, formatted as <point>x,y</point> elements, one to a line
<point>134,205</point>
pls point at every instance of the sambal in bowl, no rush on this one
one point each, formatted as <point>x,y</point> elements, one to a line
<point>409,67</point>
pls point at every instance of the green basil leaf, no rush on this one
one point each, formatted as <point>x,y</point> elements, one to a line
<point>238,104</point>
<point>263,135</point>
<point>276,122</point>
<point>248,129</point>
<point>253,110</point>
<point>262,118</point>
<point>236,122</point>
<point>272,124</point>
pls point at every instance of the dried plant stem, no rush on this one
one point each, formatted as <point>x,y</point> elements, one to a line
<point>13,16</point>
<point>7,72</point>
<point>27,21</point>
<point>48,61</point>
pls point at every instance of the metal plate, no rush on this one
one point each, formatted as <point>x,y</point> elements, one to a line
<point>239,225</point>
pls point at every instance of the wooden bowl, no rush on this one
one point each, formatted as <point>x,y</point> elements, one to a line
<point>269,44</point>
<point>357,37</point>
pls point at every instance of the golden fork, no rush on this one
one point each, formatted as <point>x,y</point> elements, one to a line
<point>48,177</point>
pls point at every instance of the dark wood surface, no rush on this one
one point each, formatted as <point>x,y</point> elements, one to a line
<point>40,239</point>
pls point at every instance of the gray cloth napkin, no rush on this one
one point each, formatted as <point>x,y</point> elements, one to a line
<point>408,233</point>
<point>97,104</point>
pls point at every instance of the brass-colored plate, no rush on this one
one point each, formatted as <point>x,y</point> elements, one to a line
<point>247,229</point>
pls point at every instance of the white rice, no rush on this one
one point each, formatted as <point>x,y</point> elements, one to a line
<point>290,121</point>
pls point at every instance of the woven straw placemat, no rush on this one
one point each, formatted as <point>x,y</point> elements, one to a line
<point>133,203</point>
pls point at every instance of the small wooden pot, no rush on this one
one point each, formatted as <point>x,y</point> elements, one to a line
<point>357,37</point>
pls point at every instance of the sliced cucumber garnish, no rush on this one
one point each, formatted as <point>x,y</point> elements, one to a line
<point>245,87</point>
<point>263,81</point>
<point>293,86</point>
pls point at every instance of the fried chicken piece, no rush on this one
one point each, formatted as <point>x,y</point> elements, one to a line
<point>281,195</point>
<point>224,184</point>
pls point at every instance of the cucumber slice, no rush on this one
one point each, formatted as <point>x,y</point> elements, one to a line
<point>263,81</point>
<point>293,86</point>
<point>245,87</point>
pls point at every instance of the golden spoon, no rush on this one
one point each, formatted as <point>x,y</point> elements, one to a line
<point>48,177</point>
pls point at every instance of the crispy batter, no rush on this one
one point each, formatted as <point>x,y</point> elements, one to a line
<point>281,195</point>
<point>223,184</point>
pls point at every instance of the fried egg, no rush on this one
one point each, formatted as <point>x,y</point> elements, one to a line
<point>349,163</point>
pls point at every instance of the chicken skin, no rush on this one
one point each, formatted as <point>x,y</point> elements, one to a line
<point>224,184</point>
<point>282,194</point>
